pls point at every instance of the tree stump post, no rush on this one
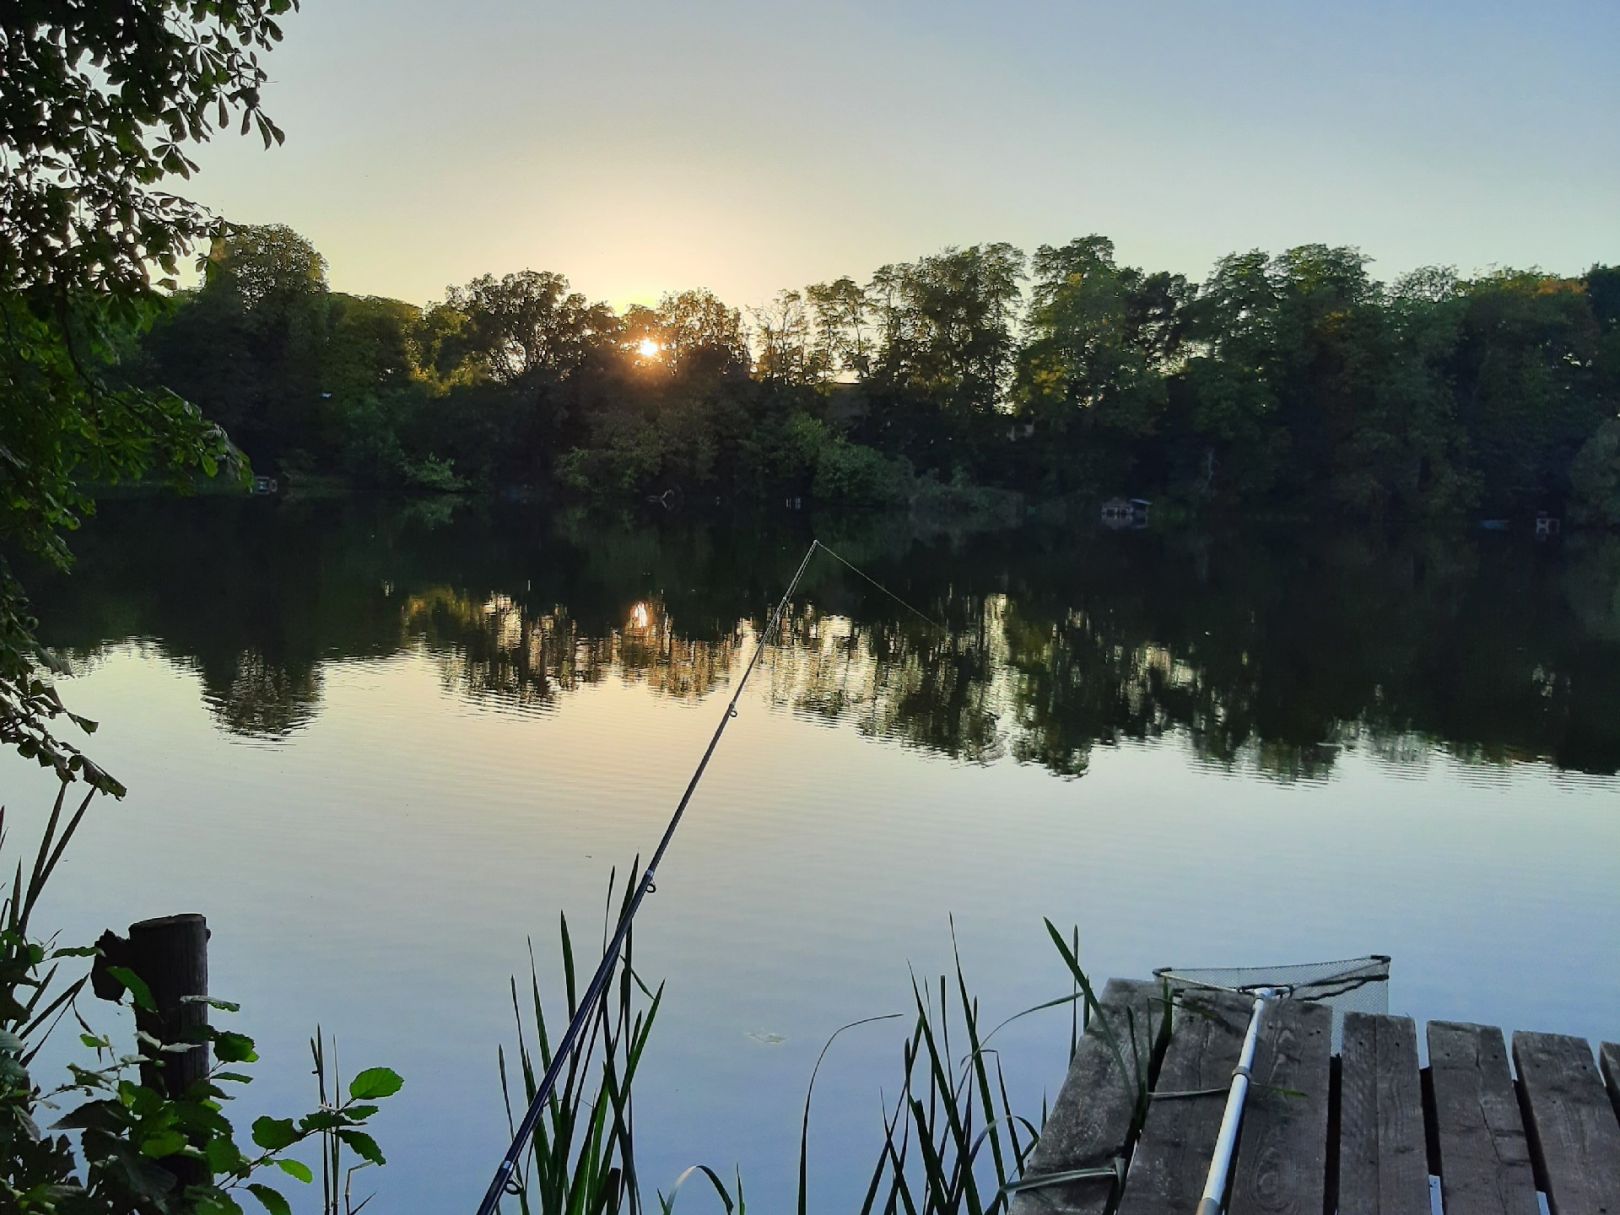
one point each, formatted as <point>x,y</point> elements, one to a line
<point>170,955</point>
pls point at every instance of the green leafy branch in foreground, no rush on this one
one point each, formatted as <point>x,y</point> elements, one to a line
<point>68,425</point>
<point>103,106</point>
<point>140,1149</point>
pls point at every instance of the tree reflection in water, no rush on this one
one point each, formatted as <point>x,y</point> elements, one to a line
<point>493,646</point>
<point>1272,652</point>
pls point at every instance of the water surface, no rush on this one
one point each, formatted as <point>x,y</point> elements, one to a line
<point>382,745</point>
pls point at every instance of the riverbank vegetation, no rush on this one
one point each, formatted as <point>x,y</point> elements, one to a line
<point>951,1141</point>
<point>120,1133</point>
<point>1292,381</point>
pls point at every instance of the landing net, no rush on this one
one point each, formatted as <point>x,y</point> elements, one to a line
<point>1348,985</point>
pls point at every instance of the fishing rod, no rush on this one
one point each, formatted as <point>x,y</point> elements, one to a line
<point>604,970</point>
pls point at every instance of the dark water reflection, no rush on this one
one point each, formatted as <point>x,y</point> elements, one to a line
<point>1272,650</point>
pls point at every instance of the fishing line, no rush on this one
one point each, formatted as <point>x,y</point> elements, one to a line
<point>502,1181</point>
<point>856,569</point>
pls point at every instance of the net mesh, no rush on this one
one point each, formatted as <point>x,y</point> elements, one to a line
<point>1347,985</point>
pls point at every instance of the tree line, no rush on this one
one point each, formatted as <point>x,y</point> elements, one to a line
<point>1293,381</point>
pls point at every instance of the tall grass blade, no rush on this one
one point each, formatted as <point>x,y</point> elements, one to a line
<point>804,1128</point>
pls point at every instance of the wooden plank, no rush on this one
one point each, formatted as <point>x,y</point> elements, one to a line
<point>1090,1121</point>
<point>1609,1061</point>
<point>1171,1160</point>
<point>1484,1155</point>
<point>1573,1131</point>
<point>1383,1162</point>
<point>1282,1157</point>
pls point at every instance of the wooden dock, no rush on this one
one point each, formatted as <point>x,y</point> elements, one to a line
<point>1360,1132</point>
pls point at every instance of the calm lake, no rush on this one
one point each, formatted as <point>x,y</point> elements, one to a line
<point>381,746</point>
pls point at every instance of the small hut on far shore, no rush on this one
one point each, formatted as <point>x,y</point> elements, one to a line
<point>1125,512</point>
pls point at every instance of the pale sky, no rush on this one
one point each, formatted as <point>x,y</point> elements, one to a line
<point>642,147</point>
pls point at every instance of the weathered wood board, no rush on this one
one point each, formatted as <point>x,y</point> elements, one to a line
<point>1171,1160</point>
<point>1282,1161</point>
<point>1383,1160</point>
<point>1354,1136</point>
<point>1609,1064</point>
<point>1484,1155</point>
<point>1573,1133</point>
<point>1089,1122</point>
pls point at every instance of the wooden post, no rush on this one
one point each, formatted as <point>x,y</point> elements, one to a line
<point>170,955</point>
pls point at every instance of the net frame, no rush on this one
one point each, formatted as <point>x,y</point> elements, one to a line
<point>1362,981</point>
<point>1345,985</point>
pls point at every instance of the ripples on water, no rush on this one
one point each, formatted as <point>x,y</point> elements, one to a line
<point>1277,655</point>
<point>381,746</point>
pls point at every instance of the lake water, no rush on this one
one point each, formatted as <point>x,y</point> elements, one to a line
<point>381,746</point>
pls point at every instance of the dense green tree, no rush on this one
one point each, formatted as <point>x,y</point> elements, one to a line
<point>441,349</point>
<point>1092,374</point>
<point>1232,445</point>
<point>1406,453</point>
<point>843,341</point>
<point>1595,477</point>
<point>369,344</point>
<point>1527,384</point>
<point>946,324</point>
<point>266,271</point>
<point>529,322</point>
<point>1293,381</point>
<point>1309,381</point>
<point>99,105</point>
<point>247,346</point>
<point>786,353</point>
<point>700,335</point>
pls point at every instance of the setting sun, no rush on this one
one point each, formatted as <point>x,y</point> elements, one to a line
<point>648,349</point>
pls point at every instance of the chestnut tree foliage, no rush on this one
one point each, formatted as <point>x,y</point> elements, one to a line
<point>100,108</point>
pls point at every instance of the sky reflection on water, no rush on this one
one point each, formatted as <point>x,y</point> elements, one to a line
<point>380,751</point>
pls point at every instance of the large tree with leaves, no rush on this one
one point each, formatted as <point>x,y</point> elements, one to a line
<point>1101,341</point>
<point>100,107</point>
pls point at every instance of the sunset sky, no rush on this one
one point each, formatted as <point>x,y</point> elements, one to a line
<point>641,147</point>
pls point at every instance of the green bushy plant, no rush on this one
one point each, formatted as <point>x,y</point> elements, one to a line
<point>110,1138</point>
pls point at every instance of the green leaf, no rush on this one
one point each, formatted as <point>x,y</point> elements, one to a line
<point>212,1002</point>
<point>223,1156</point>
<point>273,1134</point>
<point>271,1199</point>
<point>138,1098</point>
<point>213,1202</point>
<point>139,992</point>
<point>375,1082</point>
<point>237,1077</point>
<point>163,1143</point>
<point>231,1047</point>
<point>296,1168</point>
<point>12,1073</point>
<point>363,1144</point>
<point>201,1115</point>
